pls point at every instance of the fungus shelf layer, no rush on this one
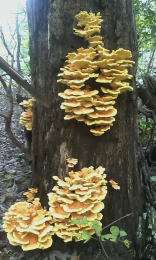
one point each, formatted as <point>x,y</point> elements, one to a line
<point>79,195</point>
<point>29,225</point>
<point>90,68</point>
<point>26,117</point>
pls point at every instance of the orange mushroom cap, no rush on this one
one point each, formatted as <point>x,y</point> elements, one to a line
<point>100,130</point>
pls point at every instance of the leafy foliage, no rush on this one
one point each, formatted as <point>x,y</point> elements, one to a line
<point>86,236</point>
<point>146,23</point>
<point>153,178</point>
<point>115,235</point>
<point>97,227</point>
<point>82,221</point>
<point>16,36</point>
<point>146,127</point>
<point>146,32</point>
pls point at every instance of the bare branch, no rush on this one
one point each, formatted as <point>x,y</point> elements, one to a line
<point>150,61</point>
<point>18,51</point>
<point>9,130</point>
<point>12,136</point>
<point>2,115</point>
<point>7,83</point>
<point>18,45</point>
<point>4,84</point>
<point>22,81</point>
<point>5,43</point>
<point>117,220</point>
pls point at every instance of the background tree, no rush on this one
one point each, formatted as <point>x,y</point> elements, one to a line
<point>51,38</point>
<point>12,42</point>
<point>146,91</point>
<point>146,33</point>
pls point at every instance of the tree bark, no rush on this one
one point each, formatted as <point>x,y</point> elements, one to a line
<point>51,25</point>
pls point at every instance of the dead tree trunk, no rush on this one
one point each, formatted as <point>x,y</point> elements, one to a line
<point>51,25</point>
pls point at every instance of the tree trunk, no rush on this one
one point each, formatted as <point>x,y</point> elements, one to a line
<point>51,25</point>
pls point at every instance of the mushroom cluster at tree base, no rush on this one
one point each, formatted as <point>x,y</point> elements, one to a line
<point>79,195</point>
<point>75,203</point>
<point>29,225</point>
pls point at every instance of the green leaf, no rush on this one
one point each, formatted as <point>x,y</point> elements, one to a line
<point>82,221</point>
<point>97,227</point>
<point>106,237</point>
<point>113,239</point>
<point>9,176</point>
<point>110,237</point>
<point>123,233</point>
<point>115,230</point>
<point>153,178</point>
<point>75,221</point>
<point>76,235</point>
<point>126,243</point>
<point>21,155</point>
<point>86,236</point>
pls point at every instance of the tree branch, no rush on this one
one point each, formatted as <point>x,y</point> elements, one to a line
<point>2,115</point>
<point>10,133</point>
<point>150,61</point>
<point>18,53</point>
<point>4,84</point>
<point>113,222</point>
<point>22,81</point>
<point>12,136</point>
<point>8,118</point>
<point>5,43</point>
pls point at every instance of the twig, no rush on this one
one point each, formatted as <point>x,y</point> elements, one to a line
<point>5,43</point>
<point>18,52</point>
<point>103,249</point>
<point>150,61</point>
<point>2,115</point>
<point>101,244</point>
<point>127,215</point>
<point>11,135</point>
<point>4,84</point>
<point>8,118</point>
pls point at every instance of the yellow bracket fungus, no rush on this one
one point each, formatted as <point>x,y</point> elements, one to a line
<point>79,195</point>
<point>114,185</point>
<point>30,194</point>
<point>29,225</point>
<point>77,198</point>
<point>71,162</point>
<point>26,117</point>
<point>94,66</point>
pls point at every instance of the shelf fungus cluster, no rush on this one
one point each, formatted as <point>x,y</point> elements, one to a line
<point>79,195</point>
<point>29,225</point>
<point>30,194</point>
<point>27,116</point>
<point>94,77</point>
